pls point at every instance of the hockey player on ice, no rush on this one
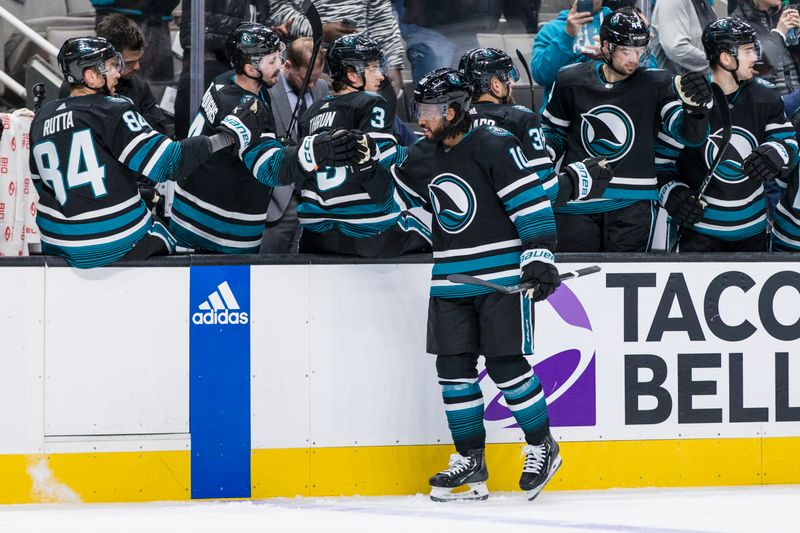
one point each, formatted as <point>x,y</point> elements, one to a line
<point>618,110</point>
<point>222,206</point>
<point>492,219</point>
<point>351,214</point>
<point>88,150</point>
<point>492,73</point>
<point>731,216</point>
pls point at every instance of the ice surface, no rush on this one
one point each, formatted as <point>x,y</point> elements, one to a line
<point>735,509</point>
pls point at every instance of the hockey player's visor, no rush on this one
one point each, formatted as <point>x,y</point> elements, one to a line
<point>428,111</point>
<point>512,75</point>
<point>114,63</point>
<point>754,52</point>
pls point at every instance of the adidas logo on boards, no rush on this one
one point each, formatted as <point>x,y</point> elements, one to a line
<point>221,307</point>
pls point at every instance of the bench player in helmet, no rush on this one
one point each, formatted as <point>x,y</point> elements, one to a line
<point>731,216</point>
<point>87,153</point>
<point>492,74</point>
<point>222,206</point>
<point>628,114</point>
<point>786,227</point>
<point>492,219</point>
<point>354,210</point>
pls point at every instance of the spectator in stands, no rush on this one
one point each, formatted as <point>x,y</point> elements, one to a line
<point>341,17</point>
<point>780,64</point>
<point>126,37</point>
<point>573,37</point>
<point>222,17</point>
<point>677,26</point>
<point>281,234</point>
<point>154,17</point>
<point>522,15</point>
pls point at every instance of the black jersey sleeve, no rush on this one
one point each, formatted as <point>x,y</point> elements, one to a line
<point>778,131</point>
<point>376,118</point>
<point>521,191</point>
<point>557,118</point>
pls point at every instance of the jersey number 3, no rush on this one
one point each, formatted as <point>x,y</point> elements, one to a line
<point>83,168</point>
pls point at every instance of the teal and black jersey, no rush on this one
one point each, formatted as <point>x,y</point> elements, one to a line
<point>625,122</point>
<point>488,207</point>
<point>222,206</point>
<point>87,153</point>
<point>736,207</point>
<point>786,227</point>
<point>333,197</point>
<point>527,128</point>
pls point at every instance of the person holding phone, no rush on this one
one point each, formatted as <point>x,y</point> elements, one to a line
<point>570,38</point>
<point>677,26</point>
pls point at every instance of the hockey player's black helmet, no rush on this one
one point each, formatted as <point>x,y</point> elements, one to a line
<point>79,53</point>
<point>727,35</point>
<point>440,89</point>
<point>625,27</point>
<point>249,42</point>
<point>481,64</point>
<point>354,51</point>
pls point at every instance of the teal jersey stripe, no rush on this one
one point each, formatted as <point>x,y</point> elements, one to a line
<point>219,225</point>
<point>525,196</point>
<point>143,152</point>
<point>499,261</point>
<point>746,213</point>
<point>88,229</point>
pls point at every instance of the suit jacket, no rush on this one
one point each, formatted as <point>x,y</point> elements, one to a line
<point>282,113</point>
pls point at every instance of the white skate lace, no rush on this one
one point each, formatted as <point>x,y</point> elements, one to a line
<point>458,463</point>
<point>534,458</point>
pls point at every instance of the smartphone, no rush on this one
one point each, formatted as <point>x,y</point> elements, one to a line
<point>585,6</point>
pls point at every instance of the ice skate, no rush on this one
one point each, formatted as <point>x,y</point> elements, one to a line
<point>541,463</point>
<point>469,470</point>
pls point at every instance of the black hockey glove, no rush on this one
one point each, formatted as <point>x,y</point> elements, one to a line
<point>683,206</point>
<point>538,267</point>
<point>585,179</point>
<point>330,149</point>
<point>766,162</point>
<point>694,90</point>
<point>246,123</point>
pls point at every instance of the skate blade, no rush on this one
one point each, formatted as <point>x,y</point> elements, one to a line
<point>533,493</point>
<point>477,491</point>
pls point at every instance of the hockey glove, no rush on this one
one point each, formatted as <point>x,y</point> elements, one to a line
<point>766,162</point>
<point>245,123</point>
<point>586,179</point>
<point>538,267</point>
<point>368,152</point>
<point>682,205</point>
<point>330,149</point>
<point>694,90</point>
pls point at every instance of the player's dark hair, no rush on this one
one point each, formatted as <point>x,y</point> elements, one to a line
<point>121,31</point>
<point>463,125</point>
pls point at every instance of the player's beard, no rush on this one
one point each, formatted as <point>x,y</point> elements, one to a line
<point>271,81</point>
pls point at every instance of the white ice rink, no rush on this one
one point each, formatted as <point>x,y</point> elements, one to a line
<point>761,509</point>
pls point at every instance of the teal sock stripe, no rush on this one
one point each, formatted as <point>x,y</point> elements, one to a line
<point>533,418</point>
<point>464,403</point>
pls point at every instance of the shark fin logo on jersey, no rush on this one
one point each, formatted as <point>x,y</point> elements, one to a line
<point>730,168</point>
<point>607,131</point>
<point>453,202</point>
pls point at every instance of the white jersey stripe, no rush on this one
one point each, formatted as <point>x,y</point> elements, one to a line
<point>131,145</point>
<point>458,252</point>
<point>91,214</point>
<point>103,240</point>
<point>216,210</point>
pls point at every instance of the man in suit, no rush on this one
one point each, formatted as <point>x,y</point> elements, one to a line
<point>282,224</point>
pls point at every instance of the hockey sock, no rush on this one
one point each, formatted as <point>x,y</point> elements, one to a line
<point>463,404</point>
<point>463,400</point>
<point>523,394</point>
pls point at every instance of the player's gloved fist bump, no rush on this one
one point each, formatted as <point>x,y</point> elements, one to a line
<point>246,122</point>
<point>329,149</point>
<point>538,267</point>
<point>694,90</point>
<point>369,155</point>
<point>682,204</point>
<point>766,162</point>
<point>589,177</point>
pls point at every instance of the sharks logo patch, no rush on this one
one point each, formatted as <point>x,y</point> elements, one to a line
<point>607,131</point>
<point>453,202</point>
<point>730,168</point>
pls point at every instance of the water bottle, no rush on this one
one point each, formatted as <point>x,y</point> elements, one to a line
<point>792,39</point>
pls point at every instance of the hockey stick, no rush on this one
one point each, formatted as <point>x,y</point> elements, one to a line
<point>39,92</point>
<point>513,289</point>
<point>721,102</point>
<point>312,15</point>
<point>530,77</point>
